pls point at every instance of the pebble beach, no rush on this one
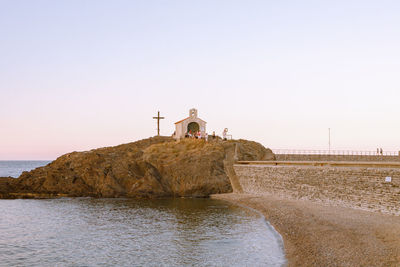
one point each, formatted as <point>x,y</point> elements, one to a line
<point>319,235</point>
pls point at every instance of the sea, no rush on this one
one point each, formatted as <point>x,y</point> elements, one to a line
<point>14,168</point>
<point>132,232</point>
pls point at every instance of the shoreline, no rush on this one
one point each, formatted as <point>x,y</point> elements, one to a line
<point>318,235</point>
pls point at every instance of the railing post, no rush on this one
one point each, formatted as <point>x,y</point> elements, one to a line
<point>288,152</point>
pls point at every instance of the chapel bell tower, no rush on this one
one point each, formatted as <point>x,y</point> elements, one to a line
<point>193,113</point>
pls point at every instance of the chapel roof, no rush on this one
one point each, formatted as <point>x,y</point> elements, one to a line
<point>182,120</point>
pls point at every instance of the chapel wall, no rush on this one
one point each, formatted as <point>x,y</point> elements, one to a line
<point>179,131</point>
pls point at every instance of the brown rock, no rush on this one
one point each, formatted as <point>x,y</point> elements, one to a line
<point>154,167</point>
<point>6,186</point>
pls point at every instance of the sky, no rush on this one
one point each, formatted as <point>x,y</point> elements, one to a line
<point>82,74</point>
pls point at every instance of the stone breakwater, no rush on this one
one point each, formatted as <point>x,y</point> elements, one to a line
<point>361,187</point>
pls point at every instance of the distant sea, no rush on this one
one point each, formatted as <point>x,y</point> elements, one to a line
<point>14,168</point>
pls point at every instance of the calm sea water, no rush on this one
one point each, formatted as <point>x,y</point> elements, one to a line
<point>14,168</point>
<point>128,232</point>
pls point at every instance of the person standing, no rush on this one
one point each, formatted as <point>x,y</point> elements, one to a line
<point>381,152</point>
<point>206,137</point>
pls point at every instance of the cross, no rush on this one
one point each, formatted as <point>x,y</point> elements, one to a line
<point>158,118</point>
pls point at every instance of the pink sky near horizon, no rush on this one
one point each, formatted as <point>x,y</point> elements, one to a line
<point>80,75</point>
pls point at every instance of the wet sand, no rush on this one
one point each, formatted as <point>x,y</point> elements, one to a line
<point>319,235</point>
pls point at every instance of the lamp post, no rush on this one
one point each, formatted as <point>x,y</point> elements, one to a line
<point>329,139</point>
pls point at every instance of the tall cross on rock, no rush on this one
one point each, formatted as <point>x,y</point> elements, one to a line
<point>158,118</point>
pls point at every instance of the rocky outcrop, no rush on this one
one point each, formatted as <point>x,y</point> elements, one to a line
<point>6,186</point>
<point>154,167</point>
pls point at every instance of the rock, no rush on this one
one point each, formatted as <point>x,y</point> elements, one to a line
<point>154,167</point>
<point>6,186</point>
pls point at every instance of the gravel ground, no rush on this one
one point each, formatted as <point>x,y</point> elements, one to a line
<point>318,235</point>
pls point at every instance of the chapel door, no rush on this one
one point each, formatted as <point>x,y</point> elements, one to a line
<point>193,127</point>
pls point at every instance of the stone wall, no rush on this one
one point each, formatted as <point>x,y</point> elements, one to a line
<point>357,187</point>
<point>313,157</point>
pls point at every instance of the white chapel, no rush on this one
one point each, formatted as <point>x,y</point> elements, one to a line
<point>191,124</point>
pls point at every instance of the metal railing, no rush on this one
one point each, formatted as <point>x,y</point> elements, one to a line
<point>335,152</point>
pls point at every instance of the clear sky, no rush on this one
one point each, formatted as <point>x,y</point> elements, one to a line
<point>80,74</point>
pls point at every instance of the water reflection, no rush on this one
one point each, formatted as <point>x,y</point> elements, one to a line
<point>126,232</point>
